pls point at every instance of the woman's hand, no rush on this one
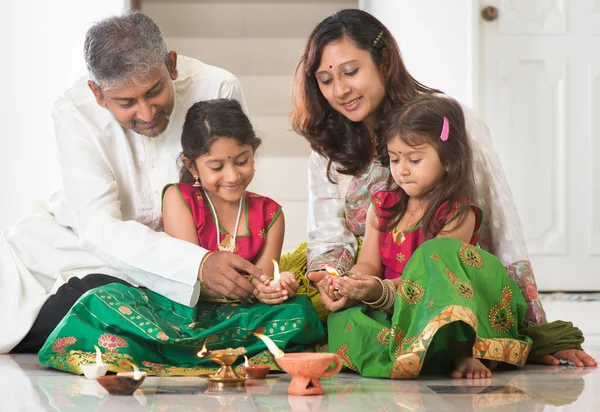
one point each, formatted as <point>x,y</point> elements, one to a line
<point>578,357</point>
<point>265,293</point>
<point>360,287</point>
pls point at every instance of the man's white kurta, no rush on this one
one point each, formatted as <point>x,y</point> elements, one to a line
<point>107,216</point>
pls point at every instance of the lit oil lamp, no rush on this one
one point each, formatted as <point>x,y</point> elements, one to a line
<point>96,370</point>
<point>255,371</point>
<point>276,276</point>
<point>123,383</point>
<point>225,377</point>
<point>333,272</point>
<point>305,368</point>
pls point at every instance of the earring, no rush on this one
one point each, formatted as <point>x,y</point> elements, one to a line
<point>197,182</point>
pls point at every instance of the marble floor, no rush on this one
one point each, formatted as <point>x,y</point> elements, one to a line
<point>27,386</point>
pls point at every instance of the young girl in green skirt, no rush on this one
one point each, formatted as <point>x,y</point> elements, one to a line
<point>211,208</point>
<point>431,300</point>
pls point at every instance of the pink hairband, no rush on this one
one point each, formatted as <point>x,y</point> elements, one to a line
<point>445,130</point>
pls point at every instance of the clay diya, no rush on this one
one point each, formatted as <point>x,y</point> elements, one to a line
<point>94,371</point>
<point>306,368</point>
<point>255,371</point>
<point>334,274</point>
<point>123,383</point>
<point>226,377</point>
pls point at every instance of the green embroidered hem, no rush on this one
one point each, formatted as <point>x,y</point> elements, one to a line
<point>163,337</point>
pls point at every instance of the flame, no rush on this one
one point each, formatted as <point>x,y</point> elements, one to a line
<point>246,364</point>
<point>203,351</point>
<point>275,351</point>
<point>98,356</point>
<point>136,371</point>
<point>276,275</point>
<point>332,271</point>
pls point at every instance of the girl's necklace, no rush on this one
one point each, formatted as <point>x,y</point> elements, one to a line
<point>398,234</point>
<point>231,247</point>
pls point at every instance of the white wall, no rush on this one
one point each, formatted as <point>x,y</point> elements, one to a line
<point>42,54</point>
<point>437,40</point>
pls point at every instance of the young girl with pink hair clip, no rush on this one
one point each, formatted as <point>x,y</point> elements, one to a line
<point>451,303</point>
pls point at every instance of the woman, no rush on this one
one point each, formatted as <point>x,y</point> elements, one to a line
<point>349,78</point>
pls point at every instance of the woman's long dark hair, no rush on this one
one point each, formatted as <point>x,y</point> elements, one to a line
<point>329,132</point>
<point>420,122</point>
<point>208,120</point>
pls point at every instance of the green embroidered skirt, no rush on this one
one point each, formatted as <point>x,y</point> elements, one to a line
<point>449,292</point>
<point>163,337</point>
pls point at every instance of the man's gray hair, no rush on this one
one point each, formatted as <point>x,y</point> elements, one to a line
<point>124,49</point>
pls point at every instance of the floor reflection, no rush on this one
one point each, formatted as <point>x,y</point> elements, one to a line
<point>27,386</point>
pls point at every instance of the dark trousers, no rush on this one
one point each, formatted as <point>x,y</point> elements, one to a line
<point>57,306</point>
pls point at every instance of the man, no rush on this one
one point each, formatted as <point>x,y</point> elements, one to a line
<point>118,138</point>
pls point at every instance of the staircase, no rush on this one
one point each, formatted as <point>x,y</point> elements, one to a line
<point>260,42</point>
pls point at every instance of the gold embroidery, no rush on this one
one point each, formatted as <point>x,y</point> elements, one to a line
<point>342,352</point>
<point>501,317</point>
<point>470,256</point>
<point>383,336</point>
<point>464,288</point>
<point>399,258</point>
<point>410,291</point>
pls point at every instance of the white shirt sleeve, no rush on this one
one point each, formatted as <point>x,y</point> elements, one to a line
<point>162,263</point>
<point>233,90</point>
<point>327,230</point>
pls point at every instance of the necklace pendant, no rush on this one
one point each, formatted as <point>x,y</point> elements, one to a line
<point>227,245</point>
<point>398,236</point>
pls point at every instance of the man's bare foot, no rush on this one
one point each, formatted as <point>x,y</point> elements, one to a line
<point>470,368</point>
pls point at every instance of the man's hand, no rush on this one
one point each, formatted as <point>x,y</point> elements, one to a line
<point>221,273</point>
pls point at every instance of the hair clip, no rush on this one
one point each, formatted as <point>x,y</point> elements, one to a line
<point>379,36</point>
<point>445,130</point>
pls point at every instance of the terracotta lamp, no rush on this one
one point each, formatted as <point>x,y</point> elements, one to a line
<point>123,383</point>
<point>306,368</point>
<point>255,371</point>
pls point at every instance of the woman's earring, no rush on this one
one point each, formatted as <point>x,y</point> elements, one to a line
<point>197,181</point>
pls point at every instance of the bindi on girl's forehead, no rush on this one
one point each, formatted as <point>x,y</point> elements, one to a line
<point>330,66</point>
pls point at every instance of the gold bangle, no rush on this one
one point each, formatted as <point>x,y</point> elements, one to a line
<point>383,295</point>
<point>201,270</point>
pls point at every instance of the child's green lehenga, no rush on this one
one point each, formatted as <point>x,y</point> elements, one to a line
<point>138,326</point>
<point>449,292</point>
